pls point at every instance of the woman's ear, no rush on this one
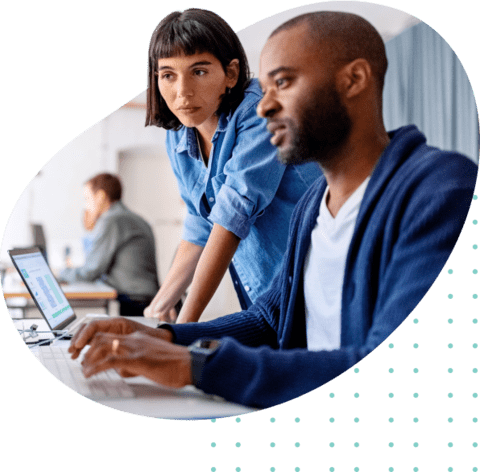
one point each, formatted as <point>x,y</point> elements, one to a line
<point>232,73</point>
<point>354,78</point>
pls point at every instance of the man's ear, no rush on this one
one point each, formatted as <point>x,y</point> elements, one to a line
<point>232,72</point>
<point>354,78</point>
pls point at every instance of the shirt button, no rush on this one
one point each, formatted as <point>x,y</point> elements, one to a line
<point>247,288</point>
<point>211,199</point>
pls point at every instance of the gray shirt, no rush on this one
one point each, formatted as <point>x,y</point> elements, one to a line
<point>122,255</point>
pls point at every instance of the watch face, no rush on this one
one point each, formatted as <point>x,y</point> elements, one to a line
<point>207,343</point>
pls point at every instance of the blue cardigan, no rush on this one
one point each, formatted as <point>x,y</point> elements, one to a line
<point>410,218</point>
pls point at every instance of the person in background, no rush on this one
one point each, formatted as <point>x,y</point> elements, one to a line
<point>238,195</point>
<point>121,247</point>
<point>366,242</point>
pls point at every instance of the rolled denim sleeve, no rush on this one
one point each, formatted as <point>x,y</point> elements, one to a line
<point>196,230</point>
<point>250,178</point>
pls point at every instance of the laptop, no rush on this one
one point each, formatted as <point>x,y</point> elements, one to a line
<point>59,315</point>
<point>43,287</point>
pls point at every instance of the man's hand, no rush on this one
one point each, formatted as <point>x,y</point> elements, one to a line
<point>117,326</point>
<point>139,354</point>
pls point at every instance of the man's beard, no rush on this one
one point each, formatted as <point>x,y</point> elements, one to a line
<point>322,129</point>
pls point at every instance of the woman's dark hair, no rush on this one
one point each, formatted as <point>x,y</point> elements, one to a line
<point>191,32</point>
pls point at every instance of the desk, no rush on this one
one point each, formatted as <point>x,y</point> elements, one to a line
<point>156,401</point>
<point>81,294</point>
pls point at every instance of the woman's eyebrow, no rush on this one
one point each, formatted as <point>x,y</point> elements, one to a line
<point>196,64</point>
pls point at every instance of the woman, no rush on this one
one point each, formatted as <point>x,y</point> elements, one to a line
<point>239,197</point>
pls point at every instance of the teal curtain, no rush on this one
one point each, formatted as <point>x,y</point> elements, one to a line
<point>426,85</point>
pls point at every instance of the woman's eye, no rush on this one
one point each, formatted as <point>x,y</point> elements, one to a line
<point>166,76</point>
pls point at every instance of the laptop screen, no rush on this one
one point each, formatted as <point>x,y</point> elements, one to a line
<point>43,287</point>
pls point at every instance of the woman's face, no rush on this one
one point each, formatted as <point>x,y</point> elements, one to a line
<point>193,86</point>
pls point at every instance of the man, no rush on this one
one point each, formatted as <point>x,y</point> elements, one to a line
<point>122,247</point>
<point>366,241</point>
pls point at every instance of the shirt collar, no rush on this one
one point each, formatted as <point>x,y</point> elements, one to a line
<point>188,140</point>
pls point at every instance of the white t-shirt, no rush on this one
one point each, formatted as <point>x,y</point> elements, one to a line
<point>324,269</point>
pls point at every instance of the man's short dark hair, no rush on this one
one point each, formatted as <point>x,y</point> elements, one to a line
<point>191,32</point>
<point>109,183</point>
<point>348,37</point>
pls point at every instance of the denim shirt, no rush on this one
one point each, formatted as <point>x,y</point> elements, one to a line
<point>245,189</point>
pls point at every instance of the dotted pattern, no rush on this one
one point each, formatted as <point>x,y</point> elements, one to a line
<point>412,405</point>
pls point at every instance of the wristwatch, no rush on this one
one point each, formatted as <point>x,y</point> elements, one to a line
<point>200,351</point>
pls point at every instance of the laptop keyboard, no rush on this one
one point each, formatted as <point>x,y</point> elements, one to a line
<point>105,385</point>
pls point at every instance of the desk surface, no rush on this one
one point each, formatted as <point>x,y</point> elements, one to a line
<point>154,400</point>
<point>75,291</point>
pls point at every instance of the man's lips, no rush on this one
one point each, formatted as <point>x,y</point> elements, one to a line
<point>278,130</point>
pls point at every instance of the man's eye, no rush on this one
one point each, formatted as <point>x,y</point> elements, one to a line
<point>200,72</point>
<point>282,82</point>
